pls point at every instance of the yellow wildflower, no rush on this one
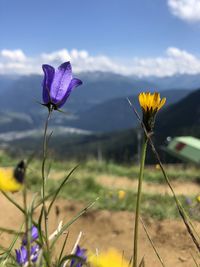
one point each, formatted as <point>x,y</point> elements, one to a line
<point>150,104</point>
<point>111,258</point>
<point>157,166</point>
<point>11,180</point>
<point>121,194</point>
<point>198,199</point>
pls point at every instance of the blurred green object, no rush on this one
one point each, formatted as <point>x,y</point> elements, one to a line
<point>186,148</point>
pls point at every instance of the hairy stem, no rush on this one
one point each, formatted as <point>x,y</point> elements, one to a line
<point>44,182</point>
<point>27,233</point>
<point>139,192</point>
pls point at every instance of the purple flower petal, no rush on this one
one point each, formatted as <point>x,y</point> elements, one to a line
<point>48,79</point>
<point>34,235</point>
<point>18,256</point>
<point>73,84</point>
<point>21,255</point>
<point>34,253</point>
<point>24,254</point>
<point>61,81</point>
<point>79,253</point>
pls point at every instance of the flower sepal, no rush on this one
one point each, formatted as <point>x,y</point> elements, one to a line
<point>50,106</point>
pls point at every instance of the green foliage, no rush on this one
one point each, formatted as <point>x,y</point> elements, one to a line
<point>87,189</point>
<point>151,173</point>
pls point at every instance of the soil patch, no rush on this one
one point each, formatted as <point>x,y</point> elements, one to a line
<point>105,229</point>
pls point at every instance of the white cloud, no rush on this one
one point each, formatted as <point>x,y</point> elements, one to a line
<point>13,55</point>
<point>188,10</point>
<point>60,55</point>
<point>174,61</point>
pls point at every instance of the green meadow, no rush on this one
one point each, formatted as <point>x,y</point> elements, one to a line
<point>85,184</point>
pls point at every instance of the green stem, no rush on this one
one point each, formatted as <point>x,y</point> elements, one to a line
<point>27,234</point>
<point>137,212</point>
<point>44,182</point>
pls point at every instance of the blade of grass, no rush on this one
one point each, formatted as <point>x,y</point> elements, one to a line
<point>74,248</point>
<point>13,202</point>
<point>42,238</point>
<point>47,197</point>
<point>142,263</point>
<point>39,260</point>
<point>197,265</point>
<point>8,253</point>
<point>10,231</point>
<point>3,249</point>
<point>40,226</point>
<point>62,249</point>
<point>60,187</point>
<point>72,221</point>
<point>152,244</point>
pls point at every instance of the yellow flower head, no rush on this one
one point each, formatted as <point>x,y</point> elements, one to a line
<point>111,258</point>
<point>198,198</point>
<point>121,194</point>
<point>11,180</point>
<point>150,104</point>
<point>157,166</point>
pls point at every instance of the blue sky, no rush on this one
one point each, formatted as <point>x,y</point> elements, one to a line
<point>120,30</point>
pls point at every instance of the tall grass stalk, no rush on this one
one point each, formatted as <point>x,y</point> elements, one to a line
<point>152,244</point>
<point>186,219</point>
<point>139,193</point>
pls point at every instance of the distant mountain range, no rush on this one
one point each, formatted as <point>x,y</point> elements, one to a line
<point>112,124</point>
<point>116,114</point>
<point>100,104</point>
<point>20,92</point>
<point>181,118</point>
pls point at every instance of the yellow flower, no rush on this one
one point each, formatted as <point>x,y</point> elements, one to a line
<point>198,199</point>
<point>11,180</point>
<point>157,166</point>
<point>111,258</point>
<point>150,104</point>
<point>121,194</point>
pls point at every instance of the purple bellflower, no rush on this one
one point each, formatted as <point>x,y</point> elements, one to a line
<point>81,254</point>
<point>58,84</point>
<point>22,253</point>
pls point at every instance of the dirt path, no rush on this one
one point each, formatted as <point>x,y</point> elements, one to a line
<point>106,229</point>
<point>181,188</point>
